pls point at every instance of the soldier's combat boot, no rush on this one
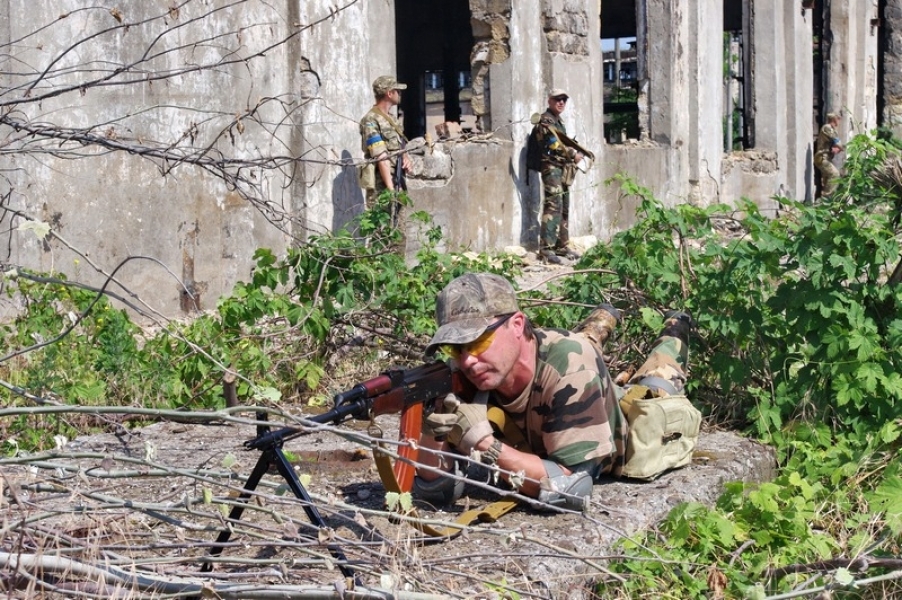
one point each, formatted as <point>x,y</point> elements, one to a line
<point>600,324</point>
<point>548,257</point>
<point>677,324</point>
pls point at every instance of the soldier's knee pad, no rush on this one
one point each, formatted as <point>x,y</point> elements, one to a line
<point>566,491</point>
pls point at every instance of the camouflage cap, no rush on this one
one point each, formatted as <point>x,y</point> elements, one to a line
<point>387,83</point>
<point>468,305</point>
<point>557,93</point>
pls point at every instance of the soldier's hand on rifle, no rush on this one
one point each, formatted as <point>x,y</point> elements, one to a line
<point>406,163</point>
<point>439,423</point>
<point>472,424</point>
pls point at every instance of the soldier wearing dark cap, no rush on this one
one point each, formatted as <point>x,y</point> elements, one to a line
<point>553,385</point>
<point>382,141</point>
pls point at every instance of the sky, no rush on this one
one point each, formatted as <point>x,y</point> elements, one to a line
<point>608,43</point>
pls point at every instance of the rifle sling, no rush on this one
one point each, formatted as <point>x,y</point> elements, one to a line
<point>487,514</point>
<point>393,124</point>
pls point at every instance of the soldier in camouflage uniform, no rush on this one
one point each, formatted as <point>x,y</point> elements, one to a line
<point>825,148</point>
<point>557,159</point>
<point>382,139</point>
<point>553,384</point>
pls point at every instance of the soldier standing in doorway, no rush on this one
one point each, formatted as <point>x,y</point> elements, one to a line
<point>383,142</point>
<point>559,155</point>
<point>826,147</point>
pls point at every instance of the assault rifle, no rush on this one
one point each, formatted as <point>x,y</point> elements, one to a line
<point>566,140</point>
<point>398,179</point>
<point>410,392</point>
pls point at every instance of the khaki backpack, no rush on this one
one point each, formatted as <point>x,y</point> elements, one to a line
<point>663,433</point>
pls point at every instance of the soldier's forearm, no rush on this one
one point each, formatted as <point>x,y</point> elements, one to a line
<point>384,167</point>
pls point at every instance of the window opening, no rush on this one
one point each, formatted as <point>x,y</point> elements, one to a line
<point>434,39</point>
<point>737,120</point>
<point>622,71</point>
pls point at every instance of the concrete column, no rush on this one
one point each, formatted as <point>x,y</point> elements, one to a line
<point>892,66</point>
<point>852,67</point>
<point>667,41</point>
<point>799,172</point>
<point>706,100</point>
<point>770,77</point>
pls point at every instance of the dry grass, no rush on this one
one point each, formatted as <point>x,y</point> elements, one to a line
<point>136,516</point>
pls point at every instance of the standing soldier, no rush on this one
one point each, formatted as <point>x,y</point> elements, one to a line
<point>826,147</point>
<point>559,157</point>
<point>383,140</point>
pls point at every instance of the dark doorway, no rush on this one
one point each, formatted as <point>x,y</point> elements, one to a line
<point>434,40</point>
<point>622,56</point>
<point>738,119</point>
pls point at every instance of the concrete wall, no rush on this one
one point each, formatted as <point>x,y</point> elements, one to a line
<point>301,101</point>
<point>892,65</point>
<point>112,204</point>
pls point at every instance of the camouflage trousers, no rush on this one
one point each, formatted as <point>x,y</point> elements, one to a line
<point>555,227</point>
<point>667,360</point>
<point>829,173</point>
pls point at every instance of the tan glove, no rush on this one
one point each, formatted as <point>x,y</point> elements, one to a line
<point>439,423</point>
<point>472,424</point>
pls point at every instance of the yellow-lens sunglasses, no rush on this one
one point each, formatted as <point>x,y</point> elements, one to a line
<point>480,344</point>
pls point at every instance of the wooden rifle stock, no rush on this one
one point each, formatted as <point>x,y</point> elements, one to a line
<point>405,391</point>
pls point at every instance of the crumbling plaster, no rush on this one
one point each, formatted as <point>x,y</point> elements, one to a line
<point>476,189</point>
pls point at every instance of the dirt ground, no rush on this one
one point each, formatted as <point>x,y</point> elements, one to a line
<point>136,514</point>
<point>151,502</point>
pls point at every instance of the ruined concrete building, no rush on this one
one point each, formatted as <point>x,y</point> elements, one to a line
<point>197,132</point>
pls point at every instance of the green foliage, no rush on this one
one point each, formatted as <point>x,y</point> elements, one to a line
<point>798,338</point>
<point>625,120</point>
<point>752,531</point>
<point>276,331</point>
<point>399,503</point>
<point>797,341</point>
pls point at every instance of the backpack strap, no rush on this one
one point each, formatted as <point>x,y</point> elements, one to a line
<point>488,514</point>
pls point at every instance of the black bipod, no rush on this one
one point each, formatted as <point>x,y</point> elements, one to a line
<point>270,444</point>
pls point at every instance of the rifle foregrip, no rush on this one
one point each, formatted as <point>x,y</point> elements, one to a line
<point>368,389</point>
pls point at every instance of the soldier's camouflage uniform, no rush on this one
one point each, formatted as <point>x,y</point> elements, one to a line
<point>555,228</point>
<point>380,133</point>
<point>571,414</point>
<point>827,138</point>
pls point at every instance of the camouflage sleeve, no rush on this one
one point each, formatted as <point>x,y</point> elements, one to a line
<point>578,425</point>
<point>829,132</point>
<point>551,145</point>
<point>371,133</point>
